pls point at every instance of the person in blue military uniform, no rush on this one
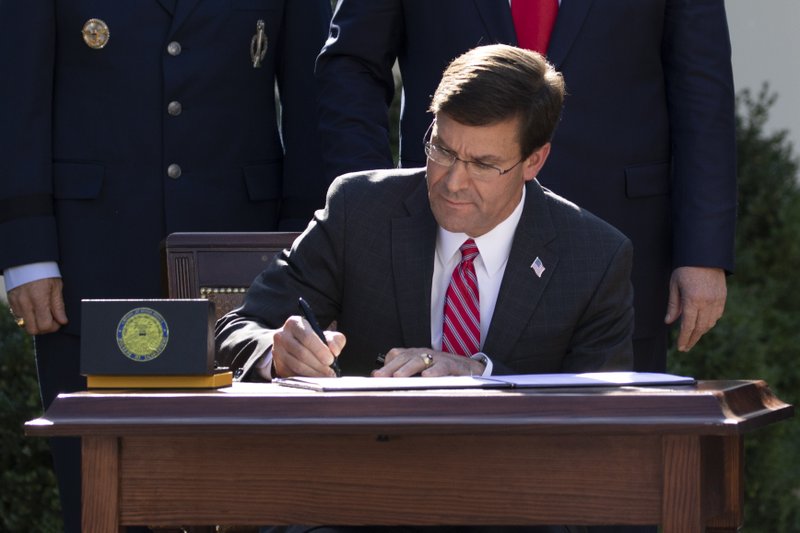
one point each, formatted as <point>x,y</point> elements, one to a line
<point>123,122</point>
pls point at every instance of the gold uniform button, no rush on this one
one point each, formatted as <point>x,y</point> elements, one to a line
<point>174,108</point>
<point>174,171</point>
<point>96,33</point>
<point>174,48</point>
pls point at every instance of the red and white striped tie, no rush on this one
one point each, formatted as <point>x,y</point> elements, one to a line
<point>461,331</point>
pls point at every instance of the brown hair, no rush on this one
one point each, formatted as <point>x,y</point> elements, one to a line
<point>492,83</point>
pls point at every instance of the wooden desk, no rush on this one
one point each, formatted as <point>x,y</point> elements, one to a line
<point>263,454</point>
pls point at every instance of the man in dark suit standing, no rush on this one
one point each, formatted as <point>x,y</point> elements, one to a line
<point>646,141</point>
<point>468,266</point>
<point>123,122</point>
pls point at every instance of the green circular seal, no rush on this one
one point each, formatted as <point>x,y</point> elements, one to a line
<point>142,334</point>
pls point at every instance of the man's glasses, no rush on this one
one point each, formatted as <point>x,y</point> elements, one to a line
<point>476,169</point>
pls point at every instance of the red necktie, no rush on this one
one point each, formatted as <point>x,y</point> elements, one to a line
<point>533,21</point>
<point>461,331</point>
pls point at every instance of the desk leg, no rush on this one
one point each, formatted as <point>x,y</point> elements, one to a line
<point>100,493</point>
<point>733,487</point>
<point>682,504</point>
<point>703,484</point>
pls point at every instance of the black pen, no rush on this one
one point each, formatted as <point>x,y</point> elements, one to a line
<point>308,314</point>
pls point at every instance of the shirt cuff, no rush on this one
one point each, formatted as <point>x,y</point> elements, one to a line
<point>20,275</point>
<point>483,358</point>
<point>264,366</point>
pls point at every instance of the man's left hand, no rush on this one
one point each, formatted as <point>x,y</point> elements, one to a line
<point>698,295</point>
<point>406,362</point>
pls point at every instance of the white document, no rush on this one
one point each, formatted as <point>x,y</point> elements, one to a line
<point>589,379</point>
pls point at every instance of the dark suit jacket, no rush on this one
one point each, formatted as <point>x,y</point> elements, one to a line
<point>646,141</point>
<point>86,138</point>
<point>366,261</point>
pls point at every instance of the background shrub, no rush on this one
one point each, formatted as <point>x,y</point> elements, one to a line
<point>759,334</point>
<point>28,493</point>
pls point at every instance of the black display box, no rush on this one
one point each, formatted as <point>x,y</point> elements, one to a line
<point>147,337</point>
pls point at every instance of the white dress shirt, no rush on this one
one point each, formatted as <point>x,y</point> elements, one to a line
<point>494,248</point>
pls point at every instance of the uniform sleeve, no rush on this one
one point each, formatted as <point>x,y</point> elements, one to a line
<point>28,232</point>
<point>305,26</point>
<point>356,82</point>
<point>697,59</point>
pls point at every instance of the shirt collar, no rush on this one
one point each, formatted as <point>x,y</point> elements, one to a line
<point>494,246</point>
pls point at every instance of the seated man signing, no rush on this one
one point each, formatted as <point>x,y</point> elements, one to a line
<point>465,267</point>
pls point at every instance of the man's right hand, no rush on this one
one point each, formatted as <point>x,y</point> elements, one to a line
<point>40,304</point>
<point>297,351</point>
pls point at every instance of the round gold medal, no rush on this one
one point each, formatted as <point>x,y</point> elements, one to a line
<point>96,33</point>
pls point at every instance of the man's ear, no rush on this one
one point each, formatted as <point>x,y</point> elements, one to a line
<point>534,163</point>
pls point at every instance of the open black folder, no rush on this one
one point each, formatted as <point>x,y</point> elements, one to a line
<point>589,379</point>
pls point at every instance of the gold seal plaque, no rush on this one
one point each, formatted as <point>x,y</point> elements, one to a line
<point>96,33</point>
<point>142,334</point>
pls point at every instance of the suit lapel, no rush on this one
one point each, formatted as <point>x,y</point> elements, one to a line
<point>498,22</point>
<point>183,8</point>
<point>570,18</point>
<point>413,250</point>
<point>168,5</point>
<point>521,288</point>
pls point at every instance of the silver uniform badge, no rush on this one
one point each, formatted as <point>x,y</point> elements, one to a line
<point>258,45</point>
<point>95,33</point>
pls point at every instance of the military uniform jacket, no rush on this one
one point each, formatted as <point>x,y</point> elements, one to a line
<point>149,120</point>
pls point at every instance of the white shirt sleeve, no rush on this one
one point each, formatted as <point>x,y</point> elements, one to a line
<point>264,366</point>
<point>486,360</point>
<point>20,275</point>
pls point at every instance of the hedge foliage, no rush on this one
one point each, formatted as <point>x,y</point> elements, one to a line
<point>28,493</point>
<point>759,336</point>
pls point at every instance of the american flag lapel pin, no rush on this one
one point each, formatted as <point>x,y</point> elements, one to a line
<point>538,267</point>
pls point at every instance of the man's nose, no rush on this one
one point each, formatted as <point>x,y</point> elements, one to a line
<point>457,177</point>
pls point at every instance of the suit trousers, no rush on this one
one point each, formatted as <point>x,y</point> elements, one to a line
<point>650,353</point>
<point>58,367</point>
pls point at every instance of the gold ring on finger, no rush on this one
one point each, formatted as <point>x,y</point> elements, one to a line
<point>427,359</point>
<point>20,322</point>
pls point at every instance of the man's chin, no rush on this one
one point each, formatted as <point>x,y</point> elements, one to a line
<point>454,217</point>
<point>451,226</point>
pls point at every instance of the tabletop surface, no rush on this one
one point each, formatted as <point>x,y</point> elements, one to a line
<point>708,407</point>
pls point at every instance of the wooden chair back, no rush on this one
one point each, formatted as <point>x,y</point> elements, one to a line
<point>219,266</point>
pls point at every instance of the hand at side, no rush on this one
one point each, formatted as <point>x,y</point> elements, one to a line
<point>697,294</point>
<point>40,304</point>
